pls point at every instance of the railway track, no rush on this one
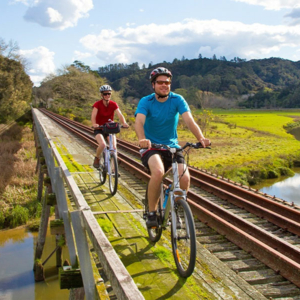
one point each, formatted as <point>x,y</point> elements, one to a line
<point>255,234</point>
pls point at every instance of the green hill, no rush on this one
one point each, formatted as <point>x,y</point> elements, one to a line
<point>235,83</point>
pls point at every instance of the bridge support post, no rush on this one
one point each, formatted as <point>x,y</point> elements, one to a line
<point>84,255</point>
<point>41,240</point>
<point>76,294</point>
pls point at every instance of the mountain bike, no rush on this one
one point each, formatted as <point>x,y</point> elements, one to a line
<point>108,162</point>
<point>173,210</point>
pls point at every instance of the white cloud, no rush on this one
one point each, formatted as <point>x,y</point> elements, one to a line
<point>273,4</point>
<point>81,55</point>
<point>58,14</point>
<point>41,63</point>
<point>189,38</point>
<point>54,15</point>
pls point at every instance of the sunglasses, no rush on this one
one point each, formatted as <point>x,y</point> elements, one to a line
<point>161,82</point>
<point>105,94</point>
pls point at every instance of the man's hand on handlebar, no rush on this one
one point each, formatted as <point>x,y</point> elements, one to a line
<point>125,125</point>
<point>145,144</point>
<point>204,143</point>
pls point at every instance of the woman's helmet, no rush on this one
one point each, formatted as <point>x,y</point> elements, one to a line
<point>105,88</point>
<point>159,71</point>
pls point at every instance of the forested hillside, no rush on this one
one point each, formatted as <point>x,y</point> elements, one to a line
<point>205,83</point>
<point>15,84</point>
<point>223,83</point>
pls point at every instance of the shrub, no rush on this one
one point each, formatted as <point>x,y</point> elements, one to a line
<point>18,216</point>
<point>34,209</point>
<point>2,219</point>
<point>272,174</point>
<point>285,171</point>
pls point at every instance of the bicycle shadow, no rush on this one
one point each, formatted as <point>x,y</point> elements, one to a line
<point>143,254</point>
<point>179,284</point>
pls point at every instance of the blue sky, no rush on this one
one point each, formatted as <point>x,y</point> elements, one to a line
<point>52,34</point>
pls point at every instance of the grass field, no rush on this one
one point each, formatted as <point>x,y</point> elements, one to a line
<point>249,145</point>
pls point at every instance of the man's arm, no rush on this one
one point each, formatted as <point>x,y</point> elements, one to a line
<point>195,129</point>
<point>139,129</point>
<point>121,118</point>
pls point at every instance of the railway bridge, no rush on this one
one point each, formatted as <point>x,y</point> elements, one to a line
<point>248,244</point>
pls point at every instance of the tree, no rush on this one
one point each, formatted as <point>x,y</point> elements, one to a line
<point>15,84</point>
<point>205,118</point>
<point>81,66</point>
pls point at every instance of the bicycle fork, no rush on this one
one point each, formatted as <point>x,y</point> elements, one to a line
<point>108,149</point>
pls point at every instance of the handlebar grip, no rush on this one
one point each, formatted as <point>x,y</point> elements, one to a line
<point>199,145</point>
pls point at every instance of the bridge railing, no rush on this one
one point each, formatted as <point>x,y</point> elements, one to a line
<point>81,225</point>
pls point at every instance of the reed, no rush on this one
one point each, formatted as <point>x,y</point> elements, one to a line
<point>18,182</point>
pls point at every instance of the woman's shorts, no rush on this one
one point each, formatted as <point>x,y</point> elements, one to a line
<point>97,131</point>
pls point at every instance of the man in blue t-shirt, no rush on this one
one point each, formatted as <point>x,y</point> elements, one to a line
<point>156,122</point>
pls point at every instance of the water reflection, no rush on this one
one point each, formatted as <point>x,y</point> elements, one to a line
<point>287,188</point>
<point>16,263</point>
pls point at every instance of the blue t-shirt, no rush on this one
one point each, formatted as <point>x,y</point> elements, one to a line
<point>162,118</point>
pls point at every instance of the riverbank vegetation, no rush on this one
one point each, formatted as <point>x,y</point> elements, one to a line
<point>18,180</point>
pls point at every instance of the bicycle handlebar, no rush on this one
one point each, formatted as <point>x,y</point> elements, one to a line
<point>192,145</point>
<point>102,126</point>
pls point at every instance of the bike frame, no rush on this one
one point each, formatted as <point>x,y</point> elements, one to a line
<point>175,194</point>
<point>107,150</point>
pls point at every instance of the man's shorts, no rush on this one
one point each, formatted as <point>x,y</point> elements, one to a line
<point>97,131</point>
<point>165,155</point>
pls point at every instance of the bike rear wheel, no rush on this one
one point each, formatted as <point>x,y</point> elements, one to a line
<point>154,233</point>
<point>113,175</point>
<point>102,170</point>
<point>184,239</point>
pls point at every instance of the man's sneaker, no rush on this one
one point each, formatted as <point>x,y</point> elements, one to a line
<point>96,163</point>
<point>178,223</point>
<point>152,220</point>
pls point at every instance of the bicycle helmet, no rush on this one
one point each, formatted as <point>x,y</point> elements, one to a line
<point>105,88</point>
<point>159,71</point>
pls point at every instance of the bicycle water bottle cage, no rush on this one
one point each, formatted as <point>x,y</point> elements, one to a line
<point>111,127</point>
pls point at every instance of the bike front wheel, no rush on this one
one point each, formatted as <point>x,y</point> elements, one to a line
<point>183,237</point>
<point>102,170</point>
<point>113,174</point>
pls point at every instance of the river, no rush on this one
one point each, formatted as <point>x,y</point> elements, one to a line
<point>286,188</point>
<point>17,247</point>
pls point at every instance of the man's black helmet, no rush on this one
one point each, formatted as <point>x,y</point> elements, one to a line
<point>160,71</point>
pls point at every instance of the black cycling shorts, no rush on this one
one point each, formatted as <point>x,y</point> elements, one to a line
<point>165,155</point>
<point>97,131</point>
